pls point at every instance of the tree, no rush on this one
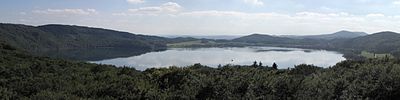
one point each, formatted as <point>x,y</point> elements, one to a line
<point>274,66</point>
<point>260,64</point>
<point>254,64</point>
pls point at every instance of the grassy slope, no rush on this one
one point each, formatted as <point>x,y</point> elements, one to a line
<point>374,55</point>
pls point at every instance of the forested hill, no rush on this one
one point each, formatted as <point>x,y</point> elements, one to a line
<point>300,40</point>
<point>269,40</point>
<point>25,76</point>
<point>382,42</point>
<point>344,41</point>
<point>60,37</point>
<point>68,37</point>
<point>337,35</point>
<point>261,38</point>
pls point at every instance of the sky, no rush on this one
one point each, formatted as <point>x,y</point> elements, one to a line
<point>210,17</point>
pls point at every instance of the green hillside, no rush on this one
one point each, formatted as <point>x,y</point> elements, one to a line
<point>62,37</point>
<point>337,35</point>
<point>27,37</point>
<point>382,42</point>
<point>23,76</point>
<point>379,43</point>
<point>262,39</point>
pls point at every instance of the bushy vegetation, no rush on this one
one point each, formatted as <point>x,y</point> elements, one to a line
<point>66,37</point>
<point>27,77</point>
<point>351,44</point>
<point>46,38</point>
<point>24,76</point>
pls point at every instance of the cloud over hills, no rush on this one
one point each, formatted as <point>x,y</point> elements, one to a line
<point>169,7</point>
<point>135,1</point>
<point>66,11</point>
<point>220,17</point>
<point>254,2</point>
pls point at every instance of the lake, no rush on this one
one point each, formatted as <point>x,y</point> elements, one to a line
<point>284,57</point>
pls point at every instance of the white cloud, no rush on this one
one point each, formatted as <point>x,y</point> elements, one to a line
<point>211,22</point>
<point>235,22</point>
<point>363,1</point>
<point>93,11</point>
<point>328,9</point>
<point>22,13</point>
<point>375,15</point>
<point>66,11</point>
<point>397,2</point>
<point>254,2</point>
<point>135,1</point>
<point>119,14</point>
<point>214,13</point>
<point>169,7</point>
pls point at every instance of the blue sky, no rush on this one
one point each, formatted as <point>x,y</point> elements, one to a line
<point>210,17</point>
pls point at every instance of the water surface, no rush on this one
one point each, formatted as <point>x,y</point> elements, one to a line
<point>284,57</point>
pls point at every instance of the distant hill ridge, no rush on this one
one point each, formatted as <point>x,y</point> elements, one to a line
<point>382,42</point>
<point>257,38</point>
<point>62,37</point>
<point>337,35</point>
<point>53,37</point>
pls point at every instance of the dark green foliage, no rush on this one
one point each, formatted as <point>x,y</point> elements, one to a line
<point>337,35</point>
<point>94,54</point>
<point>86,37</point>
<point>28,77</point>
<point>46,38</point>
<point>274,66</point>
<point>24,76</point>
<point>254,64</point>
<point>383,42</point>
<point>349,43</point>
<point>305,70</point>
<point>260,38</point>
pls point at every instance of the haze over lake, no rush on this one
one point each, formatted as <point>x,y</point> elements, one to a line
<point>284,57</point>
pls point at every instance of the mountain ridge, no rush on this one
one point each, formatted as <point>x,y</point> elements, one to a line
<point>343,34</point>
<point>256,37</point>
<point>64,37</point>
<point>381,42</point>
<point>58,37</point>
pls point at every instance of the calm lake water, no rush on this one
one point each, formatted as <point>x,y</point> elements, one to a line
<point>284,57</point>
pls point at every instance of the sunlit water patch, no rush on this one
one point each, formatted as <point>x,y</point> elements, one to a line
<point>284,57</point>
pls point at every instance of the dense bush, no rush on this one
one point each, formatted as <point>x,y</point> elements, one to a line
<point>27,77</point>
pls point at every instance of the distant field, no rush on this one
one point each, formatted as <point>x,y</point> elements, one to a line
<point>190,43</point>
<point>373,55</point>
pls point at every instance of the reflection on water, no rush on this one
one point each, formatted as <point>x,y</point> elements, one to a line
<point>284,57</point>
<point>94,54</point>
<point>268,50</point>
